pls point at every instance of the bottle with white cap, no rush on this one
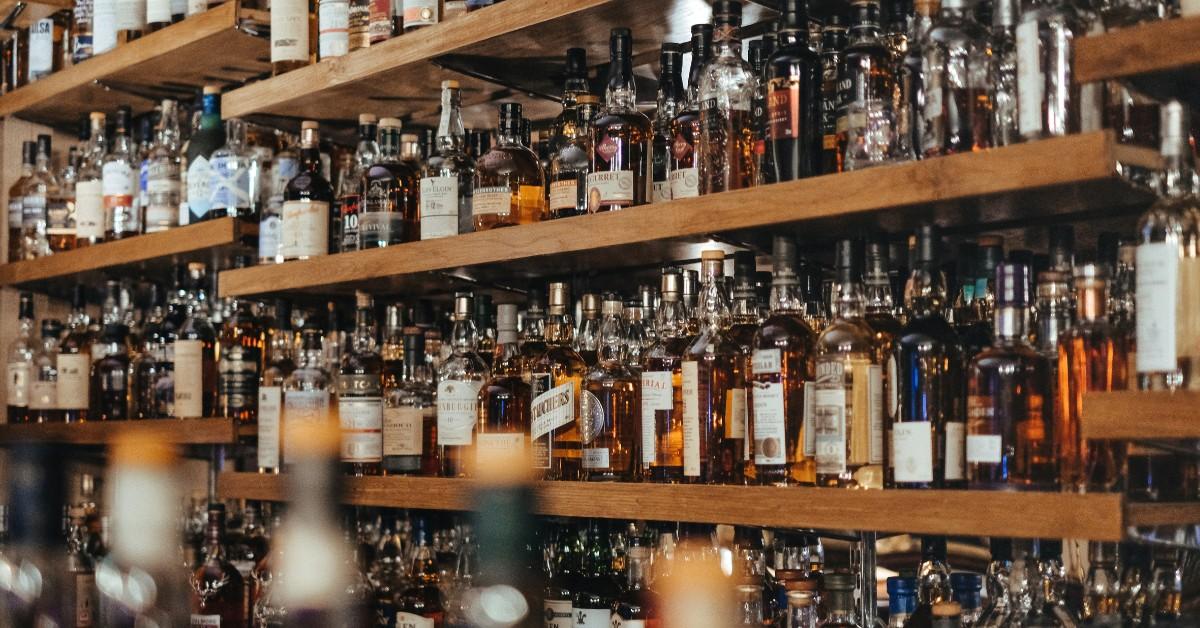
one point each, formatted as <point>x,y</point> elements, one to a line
<point>449,174</point>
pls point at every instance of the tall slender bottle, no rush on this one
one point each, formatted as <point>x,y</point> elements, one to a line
<point>1048,97</point>
<point>42,195</point>
<point>89,191</point>
<point>556,379</point>
<point>360,395</point>
<point>448,175</point>
<point>163,176</point>
<point>410,414</point>
<point>240,363</point>
<point>504,400</point>
<point>200,146</point>
<point>662,403</point>
<point>459,379</point>
<point>194,354</point>
<point>345,218</point>
<point>622,171</point>
<point>885,329</point>
<point>510,185</point>
<point>16,194</point>
<point>110,384</point>
<point>685,127</point>
<point>279,365</point>
<point>19,368</point>
<point>81,31</point>
<point>304,226</point>
<point>575,84</point>
<point>234,176</point>
<point>307,393</point>
<point>74,361</point>
<point>727,87</point>
<point>122,219</point>
<point>609,405</point>
<point>794,98</point>
<point>868,75</point>
<point>671,99</point>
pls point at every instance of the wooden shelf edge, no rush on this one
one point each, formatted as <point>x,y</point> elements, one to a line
<point>1162,514</point>
<point>175,431</point>
<point>1158,46</point>
<point>1138,415</point>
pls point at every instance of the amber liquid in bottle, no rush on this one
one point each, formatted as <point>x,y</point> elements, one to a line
<point>662,401</point>
<point>504,399</point>
<point>622,167</point>
<point>556,379</point>
<point>609,407</point>
<point>685,127</point>
<point>509,180</point>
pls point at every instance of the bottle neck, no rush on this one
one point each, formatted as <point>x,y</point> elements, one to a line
<point>925,293</point>
<point>1009,324</point>
<point>714,305</point>
<point>573,87</point>
<point>785,296</point>
<point>509,133</point>
<point>559,330</point>
<point>849,301</point>
<point>672,317</point>
<point>463,336</point>
<point>450,130</point>
<point>310,160</point>
<point>364,330</point>
<point>1178,176</point>
<point>726,40</point>
<point>622,90</point>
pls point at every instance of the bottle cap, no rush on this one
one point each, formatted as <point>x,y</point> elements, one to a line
<point>839,581</point>
<point>702,36</point>
<point>928,241</point>
<point>577,63</point>
<point>560,297</point>
<point>309,124</point>
<point>799,598</point>
<point>210,90</point>
<point>1090,271</point>
<point>367,119</point>
<point>43,145</point>
<point>691,282</point>
<point>449,84</point>
<point>966,581</point>
<point>620,42</point>
<point>390,123</point>
<point>728,8</point>
<point>591,305</point>
<point>463,304</point>
<point>506,317</point>
<point>744,265</point>
<point>363,299</point>
<point>410,137</point>
<point>899,585</point>
<point>25,307</point>
<point>849,258</point>
<point>510,112</point>
<point>672,283</point>
<point>1012,284</point>
<point>1174,127</point>
<point>97,117</point>
<point>947,609</point>
<point>28,153</point>
<point>612,306</point>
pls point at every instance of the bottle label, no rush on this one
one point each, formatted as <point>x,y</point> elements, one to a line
<point>558,614</point>
<point>41,47</point>
<point>33,210</point>
<point>304,230</point>
<point>873,402</point>
<point>1031,85</point>
<point>89,209</point>
<point>808,430</point>
<point>956,441</point>
<point>409,620</point>
<point>131,15</point>
<point>735,413</point>
<point>610,187</point>
<point>829,417</point>
<point>18,384</point>
<point>159,12</point>
<point>333,18</point>
<point>162,194</point>
<point>660,192</point>
<point>43,395</point>
<point>1187,333</point>
<point>486,443</point>
<point>402,430</point>
<point>289,31</point>
<point>300,408</point>
<point>984,448</point>
<point>362,428</point>
<point>189,378</point>
<point>657,394</point>
<point>552,410</point>
<point>380,28</point>
<point>912,447</point>
<point>104,26</point>
<point>85,583</point>
<point>1157,287</point>
<point>595,458</point>
<point>766,361</point>
<point>770,425</point>
<point>117,184</point>
<point>564,194</point>
<point>420,13</point>
<point>491,200</point>
<point>439,207</point>
<point>268,237</point>
<point>685,182</point>
<point>270,400</point>
<point>283,170</point>
<point>205,621</point>
<point>15,214</point>
<point>690,390</point>
<point>237,376</point>
<point>73,371</point>
<point>783,107</point>
<point>230,185</point>
<point>457,409</point>
<point>592,617</point>
<point>199,188</point>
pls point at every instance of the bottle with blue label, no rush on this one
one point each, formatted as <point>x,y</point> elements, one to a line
<point>230,193</point>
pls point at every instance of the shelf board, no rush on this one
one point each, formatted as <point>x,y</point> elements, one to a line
<point>33,10</point>
<point>1137,415</point>
<point>1161,59</point>
<point>967,513</point>
<point>174,431</point>
<point>150,255</point>
<point>1015,185</point>
<point>175,62</point>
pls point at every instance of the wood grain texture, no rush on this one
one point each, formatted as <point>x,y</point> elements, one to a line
<point>1160,59</point>
<point>975,513</point>
<point>176,431</point>
<point>1136,415</point>
<point>1164,514</point>
<point>1012,183</point>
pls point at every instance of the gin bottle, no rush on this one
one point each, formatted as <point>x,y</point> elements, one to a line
<point>459,379</point>
<point>229,193</point>
<point>622,166</point>
<point>727,87</point>
<point>448,175</point>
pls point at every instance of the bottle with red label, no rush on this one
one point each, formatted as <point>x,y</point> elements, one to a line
<point>685,128</point>
<point>622,167</point>
<point>794,98</point>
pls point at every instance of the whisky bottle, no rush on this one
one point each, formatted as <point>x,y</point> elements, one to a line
<point>218,593</point>
<point>713,386</point>
<point>533,333</point>
<point>16,195</point>
<point>868,72</point>
<point>410,414</point>
<point>1003,72</point>
<point>306,396</point>
<point>1048,98</point>
<point>509,180</point>
<point>609,405</point>
<point>344,218</point>
<point>884,330</point>
<point>333,28</point>
<point>389,195</point>
<point>81,31</point>
<point>232,171</point>
<point>587,338</point>
<point>89,195</point>
<point>360,395</point>
<point>19,368</point>
<point>661,388</point>
<point>504,399</point>
<point>422,602</point>
<point>594,598</point>
<point>575,84</point>
<point>43,377</point>
<point>110,377</point>
<point>843,611</point>
<point>564,578</point>
<point>459,379</point>
<point>41,191</point>
<point>556,379</point>
<point>194,354</point>
<point>448,175</point>
<point>794,96</point>
<point>118,184</point>
<point>151,360</point>
<point>290,47</point>
<point>304,226</point>
<point>1010,429</point>
<point>685,127</point>
<point>636,601</point>
<point>1053,313</point>
<point>60,205</point>
<point>727,87</point>
<point>622,171</point>
<point>241,343</point>
<point>73,361</point>
<point>928,432</point>
<point>782,389</point>
<point>284,166</point>
<point>956,113</point>
<point>200,146</point>
<point>280,363</point>
<point>162,175</point>
<point>671,99</point>
<point>848,391</point>
<point>745,321</point>
<point>812,293</point>
<point>570,164</point>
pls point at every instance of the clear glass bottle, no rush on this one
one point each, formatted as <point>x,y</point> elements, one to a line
<point>73,361</point>
<point>575,84</point>
<point>280,363</point>
<point>60,223</point>
<point>307,199</point>
<point>43,378</point>
<point>839,587</point>
<point>661,387</point>
<point>360,395</point>
<point>410,414</point>
<point>460,377</point>
<point>622,170</point>
<point>587,337</point>
<point>609,403</point>
<point>509,180</point>
<point>284,167</point>
<point>556,379</point>
<point>727,87</point>
<point>671,99</point>
<point>162,177</point>
<point>350,193</point>
<point>306,395</point>
<point>19,368</point>
<point>685,127</point>
<point>446,181</point>
<point>867,70</point>
<point>110,378</point>
<point>1102,587</point>
<point>569,166</point>
<point>504,399</point>
<point>933,580</point>
<point>1006,15</point>
<point>229,191</point>
<point>119,183</point>
<point>194,354</point>
<point>1048,97</point>
<point>16,195</point>
<point>794,97</point>
<point>40,196</point>
<point>956,112</point>
<point>218,592</point>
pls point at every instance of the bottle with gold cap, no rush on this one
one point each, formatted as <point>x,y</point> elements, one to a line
<point>389,186</point>
<point>459,379</point>
<point>305,224</point>
<point>609,405</point>
<point>556,377</point>
<point>587,339</point>
<point>504,413</point>
<point>448,175</point>
<point>661,394</point>
<point>306,391</point>
<point>360,395</point>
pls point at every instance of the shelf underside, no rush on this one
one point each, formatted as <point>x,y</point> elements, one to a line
<point>174,431</point>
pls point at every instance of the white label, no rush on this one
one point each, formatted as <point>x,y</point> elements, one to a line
<point>506,442</point>
<point>558,614</point>
<point>117,179</point>
<point>592,618</point>
<point>202,621</point>
<point>73,373</point>
<point>43,395</point>
<point>612,187</point>
<point>765,362</point>
<point>552,410</point>
<point>595,458</point>
<point>956,438</point>
<point>199,185</point>
<point>300,408</point>
<point>131,15</point>
<point>230,184</point>
<point>984,448</point>
<point>270,402</point>
<point>1030,84</point>
<point>104,26</point>
<point>409,620</point>
<point>1157,287</point>
<point>402,430</point>
<point>457,409</point>
<point>269,230</point>
<point>875,412</point>
<point>159,11</point>
<point>1188,8</point>
<point>829,426</point>
<point>439,207</point>
<point>660,191</point>
<point>657,394</point>
<point>333,18</point>
<point>735,413</point>
<point>196,7</point>
<point>89,209</point>
<point>362,428</point>
<point>685,183</point>
<point>810,413</point>
<point>289,30</point>
<point>491,200</point>
<point>690,389</point>
<point>770,424</point>
<point>18,384</point>
<point>305,229</point>
<point>912,446</point>
<point>189,378</point>
<point>41,47</point>
<point>564,194</point>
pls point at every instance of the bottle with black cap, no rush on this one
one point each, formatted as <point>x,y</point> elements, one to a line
<point>515,193</point>
<point>848,391</point>
<point>672,98</point>
<point>19,367</point>
<point>928,430</point>
<point>685,127</point>
<point>1008,388</point>
<point>110,385</point>
<point>622,165</point>
<point>727,87</point>
<point>794,99</point>
<point>575,84</point>
<point>410,413</point>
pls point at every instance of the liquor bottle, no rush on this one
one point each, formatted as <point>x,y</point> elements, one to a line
<point>345,219</point>
<point>73,361</point>
<point>727,87</point>
<point>758,110</point>
<point>163,176</point>
<point>956,113</point>
<point>556,379</point>
<point>933,580</point>
<point>902,600</point>
<point>1003,72</point>
<point>359,25</point>
<point>812,292</point>
<point>306,394</point>
<point>636,601</point>
<point>685,127</point>
<point>1102,587</point>
<point>565,575</point>
<point>81,31</point>
<point>575,84</point>
<point>446,180</point>
<point>19,368</point>
<point>842,607</point>
<point>333,28</point>
<point>570,164</point>
<point>119,186</point>
<point>848,391</point>
<point>459,379</point>
<point>200,146</point>
<point>410,414</point>
<point>131,19</point>
<point>422,603</point>
<point>795,106</point>
<point>661,390</point>
<point>781,423</point>
<point>241,342</point>
<point>280,363</point>
<point>149,357</point>
<point>304,226</point>
<point>1054,311</point>
<point>504,399</point>
<point>422,13</point>
<point>43,376</point>
<point>218,594</point>
<point>1009,403</point>
<point>745,321</point>
<point>389,213</point>
<point>60,227</point>
<point>89,194</point>
<point>622,170</point>
<point>41,195</point>
<point>928,432</point>
<point>1048,99</point>
<point>587,337</point>
<point>360,395</point>
<point>868,73</point>
<point>597,590</point>
<point>509,180</point>
<point>110,385</point>
<point>162,13</point>
<point>671,99</point>
<point>45,45</point>
<point>609,404</point>
<point>290,47</point>
<point>194,355</point>
<point>16,194</point>
<point>230,166</point>
<point>885,329</point>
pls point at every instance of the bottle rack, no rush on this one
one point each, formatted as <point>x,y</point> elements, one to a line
<point>175,431</point>
<point>1159,59</point>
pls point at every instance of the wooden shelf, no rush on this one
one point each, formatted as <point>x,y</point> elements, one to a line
<point>175,62</point>
<point>1161,59</point>
<point>1016,185</point>
<point>967,513</point>
<point>175,431</point>
<point>150,256</point>
<point>33,10</point>
<point>1136,415</point>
